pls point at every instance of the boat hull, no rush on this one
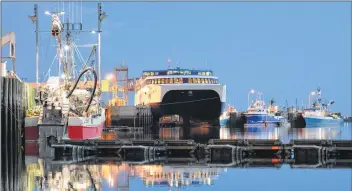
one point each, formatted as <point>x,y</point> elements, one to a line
<point>85,132</point>
<point>86,128</point>
<point>320,121</point>
<point>262,119</point>
<point>31,134</point>
<point>224,121</point>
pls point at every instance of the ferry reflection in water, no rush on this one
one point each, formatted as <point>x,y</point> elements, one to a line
<point>118,176</point>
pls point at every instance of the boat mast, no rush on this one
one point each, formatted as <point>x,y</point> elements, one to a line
<point>68,49</point>
<point>101,17</point>
<point>34,18</point>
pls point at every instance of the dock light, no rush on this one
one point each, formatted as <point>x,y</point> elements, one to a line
<point>102,16</point>
<point>145,89</point>
<point>109,77</point>
<point>250,92</point>
<point>66,47</point>
<point>93,32</point>
<point>47,13</point>
<point>33,18</point>
<point>63,76</point>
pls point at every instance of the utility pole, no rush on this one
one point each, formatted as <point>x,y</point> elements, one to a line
<point>101,17</point>
<point>34,18</point>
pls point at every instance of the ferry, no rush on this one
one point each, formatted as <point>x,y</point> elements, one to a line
<point>189,93</point>
<point>258,115</point>
<point>319,115</point>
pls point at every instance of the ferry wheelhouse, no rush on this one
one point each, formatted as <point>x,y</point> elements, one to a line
<point>191,94</point>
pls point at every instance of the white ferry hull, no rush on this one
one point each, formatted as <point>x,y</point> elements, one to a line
<point>201,101</point>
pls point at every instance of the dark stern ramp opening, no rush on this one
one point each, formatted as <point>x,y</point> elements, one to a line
<point>196,104</point>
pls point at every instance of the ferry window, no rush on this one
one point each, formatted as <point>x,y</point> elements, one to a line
<point>202,80</point>
<point>152,81</point>
<point>203,73</point>
<point>194,80</point>
<point>198,80</point>
<point>162,81</point>
<point>166,80</point>
<point>171,81</point>
<point>187,72</point>
<point>181,80</point>
<point>208,73</point>
<point>168,72</point>
<point>189,80</point>
<point>152,73</point>
<point>158,81</point>
<point>199,73</point>
<point>206,80</point>
<point>182,72</point>
<point>156,73</point>
<point>176,80</point>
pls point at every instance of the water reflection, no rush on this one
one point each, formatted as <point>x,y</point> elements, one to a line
<point>118,176</point>
<point>44,174</point>
<point>250,133</point>
<point>285,134</point>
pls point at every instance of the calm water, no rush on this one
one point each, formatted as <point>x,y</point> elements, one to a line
<point>185,176</point>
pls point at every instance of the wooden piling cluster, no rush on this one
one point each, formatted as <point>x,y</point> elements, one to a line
<point>13,108</point>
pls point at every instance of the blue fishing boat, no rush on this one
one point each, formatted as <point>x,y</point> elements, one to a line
<point>258,115</point>
<point>319,114</point>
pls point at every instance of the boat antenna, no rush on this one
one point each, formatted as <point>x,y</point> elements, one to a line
<point>168,63</point>
<point>206,64</point>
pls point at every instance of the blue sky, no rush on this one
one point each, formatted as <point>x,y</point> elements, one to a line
<point>282,49</point>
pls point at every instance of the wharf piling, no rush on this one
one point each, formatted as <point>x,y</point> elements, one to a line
<point>217,152</point>
<point>13,108</point>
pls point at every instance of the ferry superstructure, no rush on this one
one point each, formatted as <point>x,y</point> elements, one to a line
<point>192,94</point>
